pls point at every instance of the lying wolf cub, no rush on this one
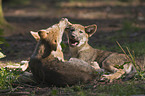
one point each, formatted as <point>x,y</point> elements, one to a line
<point>78,42</point>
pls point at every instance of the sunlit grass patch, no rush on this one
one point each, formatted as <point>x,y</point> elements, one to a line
<point>8,77</point>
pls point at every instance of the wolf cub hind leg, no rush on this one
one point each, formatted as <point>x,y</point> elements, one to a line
<point>116,73</point>
<point>113,76</point>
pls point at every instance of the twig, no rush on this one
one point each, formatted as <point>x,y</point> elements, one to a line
<point>132,59</point>
<point>123,51</point>
<point>15,93</point>
<point>29,85</point>
<point>5,90</point>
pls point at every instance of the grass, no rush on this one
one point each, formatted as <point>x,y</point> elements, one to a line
<point>124,89</point>
<point>137,47</point>
<point>128,28</point>
<point>131,58</point>
<point>8,77</point>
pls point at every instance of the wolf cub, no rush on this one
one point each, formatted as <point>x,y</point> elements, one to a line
<point>78,37</point>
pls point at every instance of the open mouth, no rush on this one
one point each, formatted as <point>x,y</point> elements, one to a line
<point>73,42</point>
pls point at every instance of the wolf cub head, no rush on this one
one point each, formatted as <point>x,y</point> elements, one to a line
<point>78,35</point>
<point>52,36</point>
<point>46,37</point>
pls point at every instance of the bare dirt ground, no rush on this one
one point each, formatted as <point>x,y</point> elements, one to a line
<point>109,16</point>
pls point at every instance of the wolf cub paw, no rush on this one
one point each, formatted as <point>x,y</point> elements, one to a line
<point>109,78</point>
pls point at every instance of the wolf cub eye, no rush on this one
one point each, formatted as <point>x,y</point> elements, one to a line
<point>72,30</point>
<point>81,32</point>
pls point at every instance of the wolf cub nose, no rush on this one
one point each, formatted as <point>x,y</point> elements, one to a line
<point>72,36</point>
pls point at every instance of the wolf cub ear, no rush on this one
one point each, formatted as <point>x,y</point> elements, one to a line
<point>91,29</point>
<point>42,34</point>
<point>35,35</point>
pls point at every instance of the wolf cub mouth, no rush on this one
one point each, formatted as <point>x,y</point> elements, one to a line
<point>73,42</point>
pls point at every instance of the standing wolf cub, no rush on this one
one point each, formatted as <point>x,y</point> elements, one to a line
<point>78,42</point>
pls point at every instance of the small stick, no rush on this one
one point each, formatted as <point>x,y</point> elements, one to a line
<point>5,90</point>
<point>15,93</point>
<point>123,50</point>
